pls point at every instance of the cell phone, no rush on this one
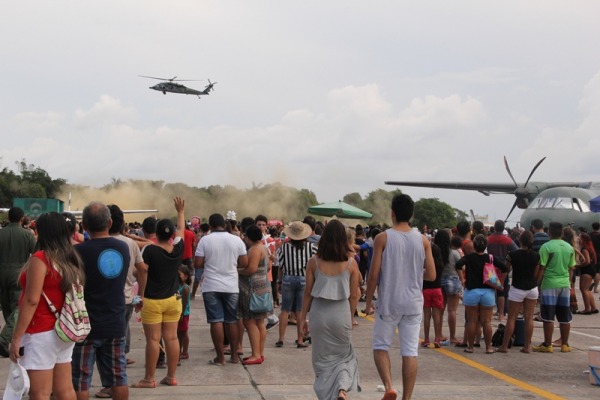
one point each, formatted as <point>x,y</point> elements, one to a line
<point>21,351</point>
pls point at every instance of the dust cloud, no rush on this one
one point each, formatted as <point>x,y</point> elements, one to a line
<point>276,201</point>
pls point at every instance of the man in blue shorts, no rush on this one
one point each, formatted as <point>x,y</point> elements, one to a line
<point>221,254</point>
<point>106,262</point>
<point>401,261</point>
<point>557,260</point>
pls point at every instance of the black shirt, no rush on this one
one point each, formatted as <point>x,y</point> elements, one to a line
<point>473,264</point>
<point>163,270</point>
<point>523,264</point>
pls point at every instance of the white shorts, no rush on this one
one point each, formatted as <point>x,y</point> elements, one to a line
<point>409,327</point>
<point>43,350</point>
<point>518,295</point>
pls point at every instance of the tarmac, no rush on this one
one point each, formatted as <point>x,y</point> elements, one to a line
<point>444,373</point>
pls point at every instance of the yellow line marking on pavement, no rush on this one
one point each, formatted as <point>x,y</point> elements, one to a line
<point>499,375</point>
<point>523,385</point>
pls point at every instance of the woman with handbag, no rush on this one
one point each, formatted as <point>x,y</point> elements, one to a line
<point>479,299</point>
<point>255,294</point>
<point>51,270</point>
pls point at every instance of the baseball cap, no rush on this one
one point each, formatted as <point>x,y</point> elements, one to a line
<point>17,383</point>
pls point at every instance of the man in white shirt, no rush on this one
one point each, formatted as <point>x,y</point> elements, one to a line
<point>221,254</point>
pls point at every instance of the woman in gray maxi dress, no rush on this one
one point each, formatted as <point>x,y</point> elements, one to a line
<point>330,295</point>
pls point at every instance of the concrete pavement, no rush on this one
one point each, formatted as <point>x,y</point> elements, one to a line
<point>446,373</point>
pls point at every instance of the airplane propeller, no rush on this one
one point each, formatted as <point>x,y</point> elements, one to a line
<point>520,192</point>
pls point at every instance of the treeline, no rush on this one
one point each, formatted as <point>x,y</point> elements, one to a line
<point>28,181</point>
<point>276,200</point>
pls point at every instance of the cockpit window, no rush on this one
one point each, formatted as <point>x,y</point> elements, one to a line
<point>560,203</point>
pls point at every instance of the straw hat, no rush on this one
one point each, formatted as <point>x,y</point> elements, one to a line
<point>297,230</point>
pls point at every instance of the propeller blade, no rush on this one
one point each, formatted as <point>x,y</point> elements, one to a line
<point>509,173</point>
<point>533,170</point>
<point>511,210</point>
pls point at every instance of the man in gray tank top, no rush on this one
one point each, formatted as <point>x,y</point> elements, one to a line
<point>401,261</point>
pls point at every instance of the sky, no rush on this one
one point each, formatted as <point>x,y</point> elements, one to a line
<point>335,97</point>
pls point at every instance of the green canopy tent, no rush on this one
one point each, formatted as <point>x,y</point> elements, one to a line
<point>339,209</point>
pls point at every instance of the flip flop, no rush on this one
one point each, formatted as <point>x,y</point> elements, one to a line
<point>144,384</point>
<point>524,351</point>
<point>104,393</point>
<point>490,351</point>
<point>168,381</point>
<point>214,362</point>
<point>470,351</point>
<point>279,343</point>
<point>500,350</point>
<point>390,395</point>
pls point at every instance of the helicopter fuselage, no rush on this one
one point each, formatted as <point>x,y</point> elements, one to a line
<point>172,87</point>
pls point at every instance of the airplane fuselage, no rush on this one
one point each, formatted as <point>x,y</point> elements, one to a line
<point>567,205</point>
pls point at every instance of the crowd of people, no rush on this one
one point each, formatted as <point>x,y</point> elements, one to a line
<point>314,273</point>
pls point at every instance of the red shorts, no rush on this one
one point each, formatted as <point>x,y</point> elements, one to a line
<point>433,298</point>
<point>184,324</point>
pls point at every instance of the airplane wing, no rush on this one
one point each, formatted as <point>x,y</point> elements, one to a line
<point>489,188</point>
<point>485,188</point>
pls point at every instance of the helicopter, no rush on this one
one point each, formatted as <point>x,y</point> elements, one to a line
<point>171,86</point>
<point>570,203</point>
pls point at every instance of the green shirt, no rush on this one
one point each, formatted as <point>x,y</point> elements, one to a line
<point>557,257</point>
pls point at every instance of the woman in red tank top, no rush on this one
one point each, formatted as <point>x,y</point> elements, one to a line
<point>51,269</point>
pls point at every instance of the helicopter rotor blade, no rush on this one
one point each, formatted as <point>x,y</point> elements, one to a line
<point>533,170</point>
<point>153,77</point>
<point>170,79</point>
<point>509,173</point>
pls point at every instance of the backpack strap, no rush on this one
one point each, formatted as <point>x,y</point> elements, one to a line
<point>52,308</point>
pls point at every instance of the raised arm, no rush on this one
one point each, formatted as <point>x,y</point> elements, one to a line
<point>180,206</point>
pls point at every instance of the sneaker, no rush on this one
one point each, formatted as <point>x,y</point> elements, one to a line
<point>542,348</point>
<point>272,325</point>
<point>565,348</point>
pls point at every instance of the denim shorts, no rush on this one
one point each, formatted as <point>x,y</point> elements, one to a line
<point>451,285</point>
<point>107,354</point>
<point>221,307</point>
<point>479,297</point>
<point>292,288</point>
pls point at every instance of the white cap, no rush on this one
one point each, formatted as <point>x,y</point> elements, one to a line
<point>17,383</point>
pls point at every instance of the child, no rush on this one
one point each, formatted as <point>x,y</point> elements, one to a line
<point>182,327</point>
<point>433,304</point>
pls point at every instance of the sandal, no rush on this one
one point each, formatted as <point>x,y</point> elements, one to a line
<point>168,381</point>
<point>184,356</point>
<point>144,384</point>
<point>425,343</point>
<point>467,350</point>
<point>104,393</point>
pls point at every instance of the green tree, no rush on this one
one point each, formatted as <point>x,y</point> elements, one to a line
<point>433,213</point>
<point>354,199</point>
